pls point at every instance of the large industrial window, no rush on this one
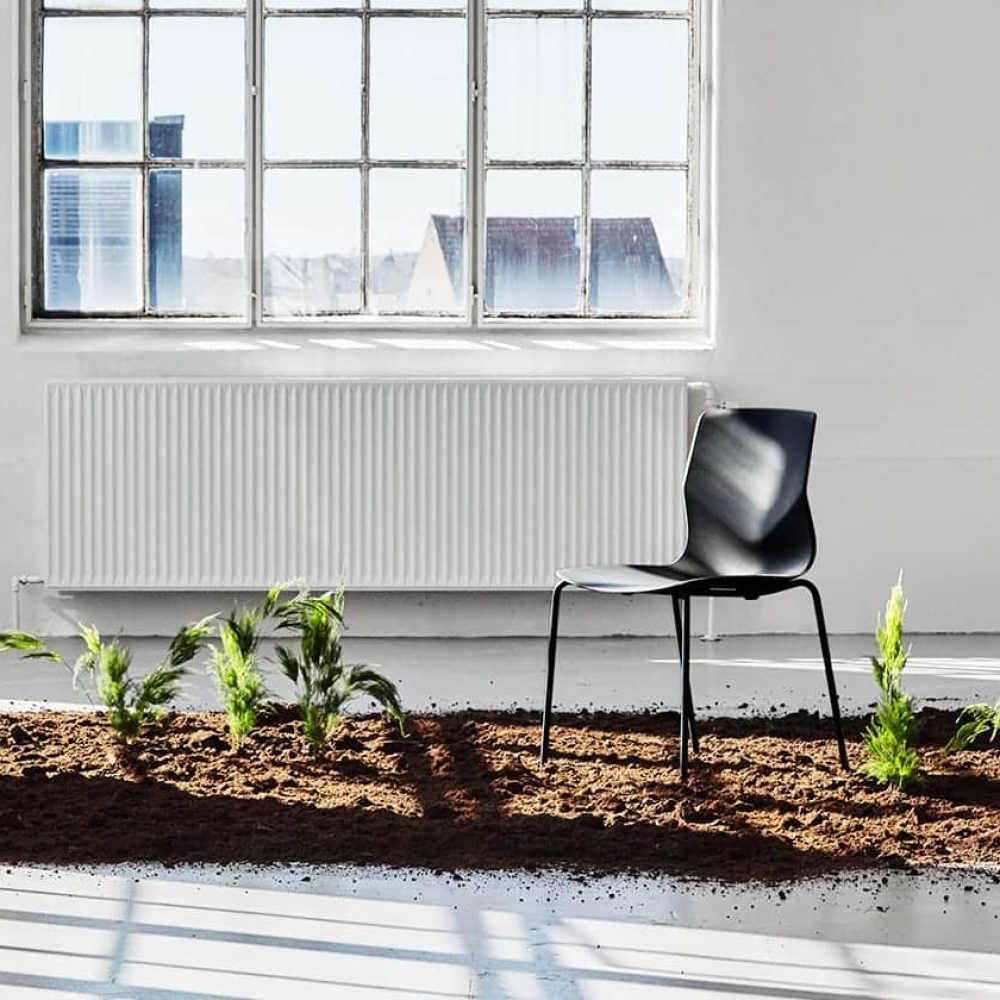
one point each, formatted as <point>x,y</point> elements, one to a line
<point>276,162</point>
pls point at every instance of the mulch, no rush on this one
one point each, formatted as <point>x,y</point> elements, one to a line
<point>765,799</point>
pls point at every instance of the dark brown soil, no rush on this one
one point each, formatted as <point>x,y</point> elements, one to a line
<point>765,799</point>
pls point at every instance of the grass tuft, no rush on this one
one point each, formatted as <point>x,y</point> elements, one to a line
<point>234,664</point>
<point>325,684</point>
<point>978,721</point>
<point>889,739</point>
<point>29,646</point>
<point>134,703</point>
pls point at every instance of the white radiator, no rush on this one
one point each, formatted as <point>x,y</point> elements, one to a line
<point>433,484</point>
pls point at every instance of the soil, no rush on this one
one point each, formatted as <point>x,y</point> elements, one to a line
<point>765,799</point>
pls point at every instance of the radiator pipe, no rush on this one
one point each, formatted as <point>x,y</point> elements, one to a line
<point>16,583</point>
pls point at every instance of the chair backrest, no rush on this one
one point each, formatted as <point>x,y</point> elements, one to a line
<point>745,493</point>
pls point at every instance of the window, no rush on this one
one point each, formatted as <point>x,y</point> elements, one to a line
<point>274,162</point>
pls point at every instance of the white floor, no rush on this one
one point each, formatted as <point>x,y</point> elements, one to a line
<point>158,934</point>
<point>148,933</point>
<point>739,675</point>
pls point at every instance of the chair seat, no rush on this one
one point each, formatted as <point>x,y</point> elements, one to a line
<point>644,579</point>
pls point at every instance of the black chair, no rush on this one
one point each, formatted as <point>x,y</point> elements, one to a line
<point>749,534</point>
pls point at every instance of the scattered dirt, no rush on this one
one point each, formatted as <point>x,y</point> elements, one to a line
<point>765,799</point>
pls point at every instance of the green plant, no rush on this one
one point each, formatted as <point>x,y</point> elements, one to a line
<point>30,647</point>
<point>324,683</point>
<point>235,668</point>
<point>133,703</point>
<point>891,757</point>
<point>980,720</point>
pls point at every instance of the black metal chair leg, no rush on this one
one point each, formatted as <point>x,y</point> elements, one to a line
<point>685,687</point>
<point>550,679</point>
<point>692,730</point>
<point>831,682</point>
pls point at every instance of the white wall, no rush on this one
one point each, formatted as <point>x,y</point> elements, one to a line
<point>859,170</point>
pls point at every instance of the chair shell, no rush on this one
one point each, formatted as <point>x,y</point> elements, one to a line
<point>749,533</point>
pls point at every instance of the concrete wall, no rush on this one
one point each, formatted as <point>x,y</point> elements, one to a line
<point>858,166</point>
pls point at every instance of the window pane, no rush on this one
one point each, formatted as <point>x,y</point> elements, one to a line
<point>418,87</point>
<point>93,4</point>
<point>196,241</point>
<point>198,4</point>
<point>533,240</point>
<point>419,4</point>
<point>535,4</point>
<point>638,240</point>
<point>312,88</point>
<point>535,95</point>
<point>640,109</point>
<point>92,91</point>
<point>196,84</point>
<point>672,5</point>
<point>312,4</point>
<point>417,242</point>
<point>312,240</point>
<point>92,227</point>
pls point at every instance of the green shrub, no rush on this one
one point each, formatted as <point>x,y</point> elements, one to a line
<point>891,757</point>
<point>980,720</point>
<point>235,667</point>
<point>133,703</point>
<point>324,683</point>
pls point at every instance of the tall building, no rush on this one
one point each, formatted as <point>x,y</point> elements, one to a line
<point>93,219</point>
<point>166,202</point>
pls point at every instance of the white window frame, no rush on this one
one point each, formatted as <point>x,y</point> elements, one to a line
<point>696,325</point>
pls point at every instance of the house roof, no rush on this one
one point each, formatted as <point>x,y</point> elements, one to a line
<point>534,262</point>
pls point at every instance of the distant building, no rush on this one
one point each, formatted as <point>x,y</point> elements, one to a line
<point>94,215</point>
<point>533,264</point>
<point>302,286</point>
<point>438,281</point>
<point>107,140</point>
<point>166,205</point>
<point>391,278</point>
<point>90,218</point>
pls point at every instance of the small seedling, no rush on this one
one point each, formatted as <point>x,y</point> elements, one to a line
<point>325,684</point>
<point>891,757</point>
<point>133,703</point>
<point>235,667</point>
<point>979,720</point>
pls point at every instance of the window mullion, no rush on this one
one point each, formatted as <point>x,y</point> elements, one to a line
<point>475,159</point>
<point>694,283</point>
<point>365,154</point>
<point>146,306</point>
<point>255,166</point>
<point>588,43</point>
<point>36,193</point>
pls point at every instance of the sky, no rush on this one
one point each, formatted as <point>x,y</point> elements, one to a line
<point>418,110</point>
